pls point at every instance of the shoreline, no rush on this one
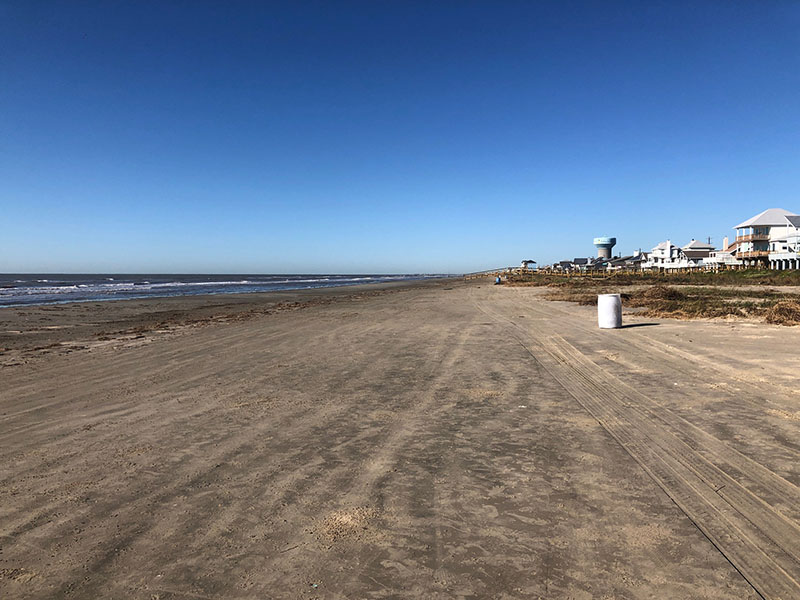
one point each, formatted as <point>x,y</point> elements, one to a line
<point>94,287</point>
<point>44,328</point>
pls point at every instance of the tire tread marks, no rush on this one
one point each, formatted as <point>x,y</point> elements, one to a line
<point>749,519</point>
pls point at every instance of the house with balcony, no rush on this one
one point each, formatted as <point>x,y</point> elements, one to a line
<point>762,235</point>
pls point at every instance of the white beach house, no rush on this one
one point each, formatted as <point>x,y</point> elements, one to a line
<point>784,245</point>
<point>723,258</point>
<point>666,253</point>
<point>697,253</point>
<point>763,240</point>
<point>669,256</point>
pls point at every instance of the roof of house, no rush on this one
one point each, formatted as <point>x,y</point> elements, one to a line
<point>695,245</point>
<point>598,263</point>
<point>664,245</point>
<point>580,261</point>
<point>771,216</point>
<point>794,220</point>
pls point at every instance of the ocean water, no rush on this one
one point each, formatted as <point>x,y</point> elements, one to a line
<point>29,289</point>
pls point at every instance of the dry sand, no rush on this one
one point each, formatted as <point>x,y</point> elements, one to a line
<point>428,440</point>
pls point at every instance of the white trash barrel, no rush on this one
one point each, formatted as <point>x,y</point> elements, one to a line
<point>609,311</point>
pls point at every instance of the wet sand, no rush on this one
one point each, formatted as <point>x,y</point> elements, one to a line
<point>418,440</point>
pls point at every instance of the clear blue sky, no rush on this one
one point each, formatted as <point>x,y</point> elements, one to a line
<point>386,136</point>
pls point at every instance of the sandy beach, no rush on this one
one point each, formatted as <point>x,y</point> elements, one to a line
<point>436,439</point>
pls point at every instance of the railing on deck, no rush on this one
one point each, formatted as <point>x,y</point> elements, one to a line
<point>753,237</point>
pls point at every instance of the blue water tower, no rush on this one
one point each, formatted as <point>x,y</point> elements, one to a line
<point>604,246</point>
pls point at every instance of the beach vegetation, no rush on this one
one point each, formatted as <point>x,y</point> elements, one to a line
<point>772,297</point>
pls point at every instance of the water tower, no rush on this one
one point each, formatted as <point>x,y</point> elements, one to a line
<point>604,246</point>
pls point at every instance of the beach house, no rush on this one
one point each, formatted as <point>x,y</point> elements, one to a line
<point>763,240</point>
<point>696,253</point>
<point>663,256</point>
<point>667,256</point>
<point>724,258</point>
<point>784,245</point>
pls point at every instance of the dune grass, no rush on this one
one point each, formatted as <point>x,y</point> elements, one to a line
<point>730,294</point>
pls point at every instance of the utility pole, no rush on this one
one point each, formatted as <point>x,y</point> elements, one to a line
<point>709,240</point>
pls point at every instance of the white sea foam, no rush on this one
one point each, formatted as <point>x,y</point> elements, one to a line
<point>73,289</point>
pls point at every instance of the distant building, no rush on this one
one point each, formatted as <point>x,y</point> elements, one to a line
<point>580,264</point>
<point>663,256</point>
<point>576,264</point>
<point>669,256</point>
<point>563,265</point>
<point>599,263</point>
<point>697,252</point>
<point>632,262</point>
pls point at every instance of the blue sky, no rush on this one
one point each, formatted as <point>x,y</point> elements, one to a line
<point>386,136</point>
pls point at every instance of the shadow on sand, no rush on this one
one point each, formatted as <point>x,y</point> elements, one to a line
<point>629,325</point>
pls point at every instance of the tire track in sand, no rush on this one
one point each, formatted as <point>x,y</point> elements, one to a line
<point>681,361</point>
<point>773,488</point>
<point>759,541</point>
